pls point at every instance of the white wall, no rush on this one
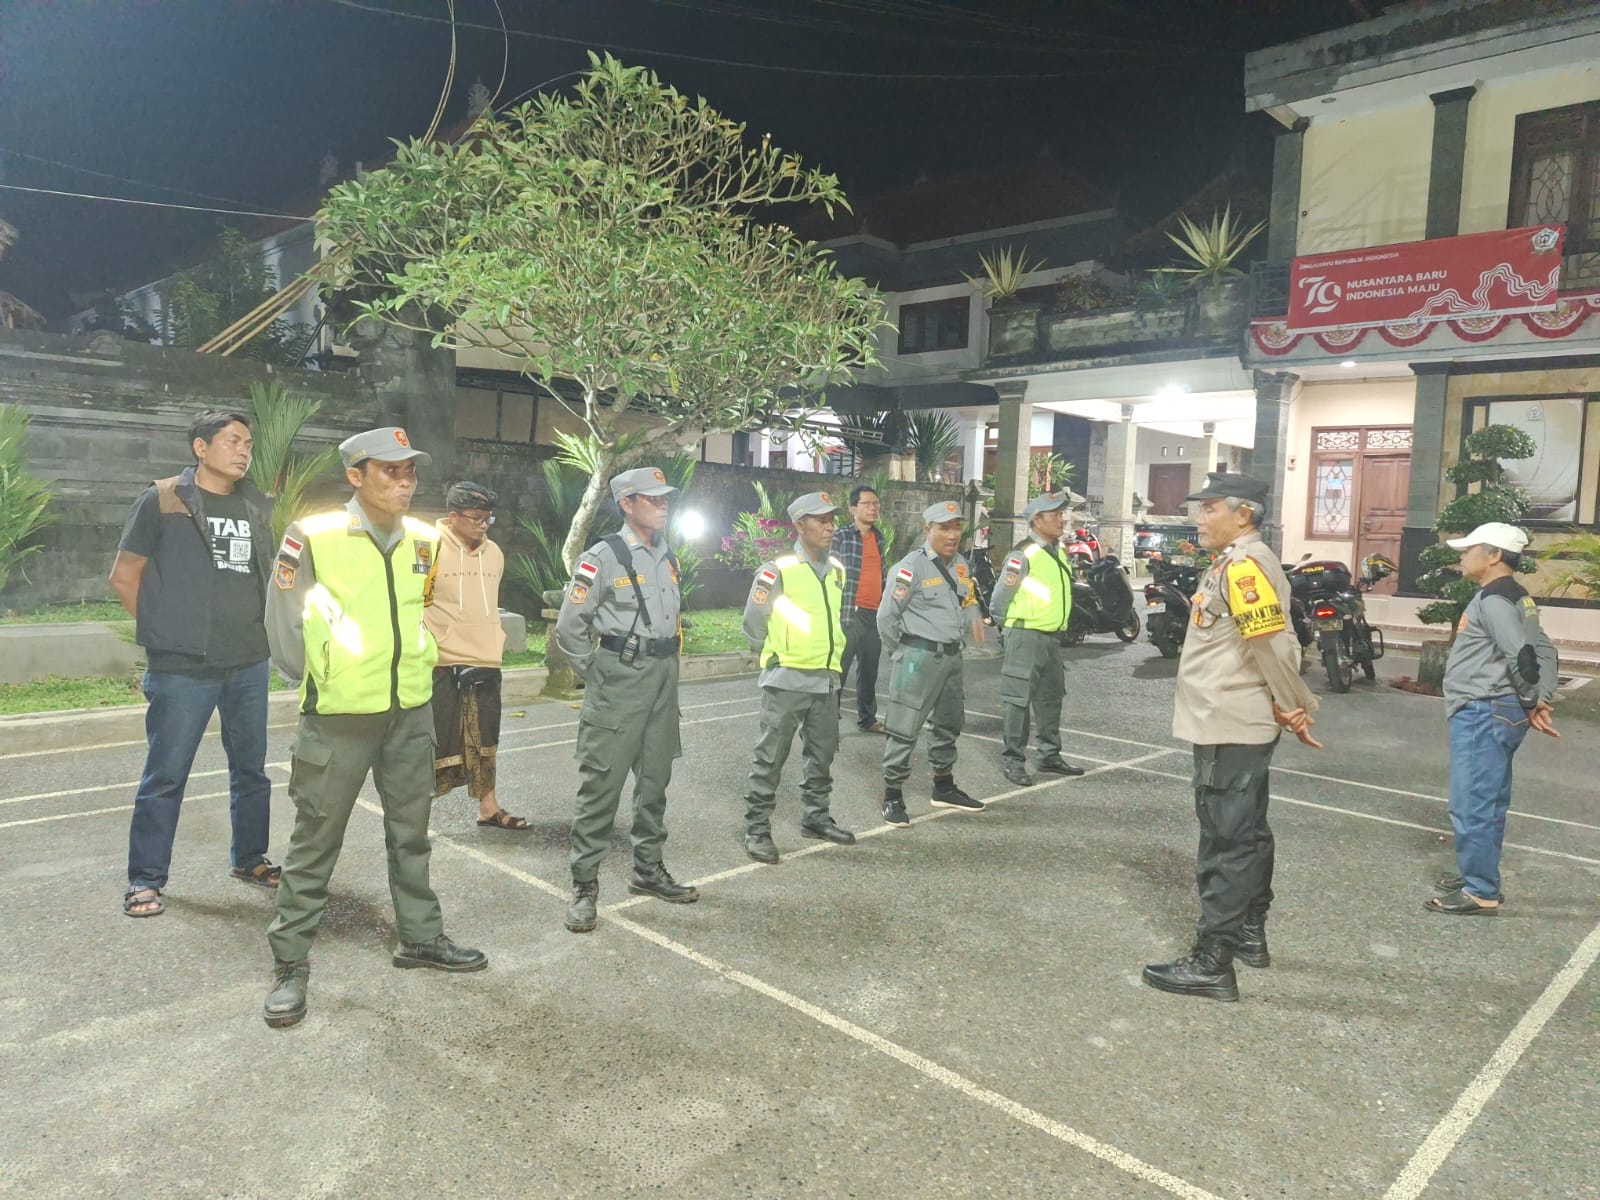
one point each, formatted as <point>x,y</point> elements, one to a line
<point>1321,405</point>
<point>1149,443</point>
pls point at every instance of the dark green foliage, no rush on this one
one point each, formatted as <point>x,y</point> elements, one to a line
<point>199,303</point>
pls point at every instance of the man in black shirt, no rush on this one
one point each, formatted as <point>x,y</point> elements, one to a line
<point>191,570</point>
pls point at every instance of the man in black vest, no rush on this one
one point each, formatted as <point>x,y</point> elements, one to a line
<point>192,570</point>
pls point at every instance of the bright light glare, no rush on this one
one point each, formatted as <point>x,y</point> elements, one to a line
<point>691,526</point>
<point>1171,392</point>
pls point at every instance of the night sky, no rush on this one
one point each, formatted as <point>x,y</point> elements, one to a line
<point>239,100</point>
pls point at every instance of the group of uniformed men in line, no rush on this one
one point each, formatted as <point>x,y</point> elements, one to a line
<point>345,615</point>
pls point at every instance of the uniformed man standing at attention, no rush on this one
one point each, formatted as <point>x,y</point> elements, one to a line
<point>619,626</point>
<point>1032,600</point>
<point>344,614</point>
<point>1239,688</point>
<point>922,623</point>
<point>793,618</point>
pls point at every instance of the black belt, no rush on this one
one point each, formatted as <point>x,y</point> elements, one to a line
<point>649,647</point>
<point>923,643</point>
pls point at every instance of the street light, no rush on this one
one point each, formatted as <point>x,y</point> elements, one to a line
<point>691,526</point>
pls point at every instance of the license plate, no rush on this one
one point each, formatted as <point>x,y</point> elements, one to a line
<point>1334,624</point>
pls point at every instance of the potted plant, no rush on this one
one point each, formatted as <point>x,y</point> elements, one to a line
<point>1003,274</point>
<point>1212,249</point>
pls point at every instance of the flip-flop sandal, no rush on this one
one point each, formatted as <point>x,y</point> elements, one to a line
<point>143,898</point>
<point>263,874</point>
<point>1459,904</point>
<point>504,820</point>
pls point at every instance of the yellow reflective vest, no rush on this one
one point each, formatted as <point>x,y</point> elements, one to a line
<point>1044,597</point>
<point>367,648</point>
<point>806,631</point>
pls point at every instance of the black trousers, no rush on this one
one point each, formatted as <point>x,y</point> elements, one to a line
<point>1233,867</point>
<point>861,645</point>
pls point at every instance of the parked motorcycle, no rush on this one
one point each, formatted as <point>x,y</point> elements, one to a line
<point>1102,602</point>
<point>1167,601</point>
<point>1336,614</point>
<point>1083,551</point>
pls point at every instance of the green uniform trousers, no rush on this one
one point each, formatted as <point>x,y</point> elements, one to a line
<point>629,722</point>
<point>332,755</point>
<point>925,687</point>
<point>1031,677</point>
<point>815,716</point>
<point>1233,867</point>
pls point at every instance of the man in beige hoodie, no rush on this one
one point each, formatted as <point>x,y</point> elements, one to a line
<point>464,618</point>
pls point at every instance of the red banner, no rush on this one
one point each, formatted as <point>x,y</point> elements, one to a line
<point>1481,274</point>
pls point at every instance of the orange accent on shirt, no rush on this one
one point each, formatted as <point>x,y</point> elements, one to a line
<point>869,590</point>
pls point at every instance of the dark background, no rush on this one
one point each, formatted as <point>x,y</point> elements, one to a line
<point>240,99</point>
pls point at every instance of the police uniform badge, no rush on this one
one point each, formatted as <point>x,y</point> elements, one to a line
<point>283,573</point>
<point>1011,573</point>
<point>759,596</point>
<point>424,562</point>
<point>579,593</point>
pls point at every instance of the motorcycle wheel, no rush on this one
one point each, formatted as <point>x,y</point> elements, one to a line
<point>1130,631</point>
<point>1072,637</point>
<point>1169,646</point>
<point>1367,666</point>
<point>1339,671</point>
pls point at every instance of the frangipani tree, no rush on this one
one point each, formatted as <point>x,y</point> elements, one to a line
<point>606,242</point>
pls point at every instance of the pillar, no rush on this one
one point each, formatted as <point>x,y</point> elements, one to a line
<point>1448,161</point>
<point>1011,464</point>
<point>1207,462</point>
<point>1427,469</point>
<point>1283,212</point>
<point>972,450</point>
<point>415,383</point>
<point>1116,510</point>
<point>1269,457</point>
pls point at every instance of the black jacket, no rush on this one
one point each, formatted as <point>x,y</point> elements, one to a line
<point>175,590</point>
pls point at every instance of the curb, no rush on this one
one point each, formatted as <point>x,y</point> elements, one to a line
<point>24,732</point>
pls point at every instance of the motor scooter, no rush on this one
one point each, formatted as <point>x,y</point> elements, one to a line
<point>1167,601</point>
<point>1083,550</point>
<point>1102,602</point>
<point>1336,613</point>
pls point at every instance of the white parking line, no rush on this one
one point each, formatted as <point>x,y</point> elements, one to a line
<point>1437,1146</point>
<point>926,1067</point>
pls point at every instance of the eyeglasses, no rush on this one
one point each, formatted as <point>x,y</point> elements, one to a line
<point>485,520</point>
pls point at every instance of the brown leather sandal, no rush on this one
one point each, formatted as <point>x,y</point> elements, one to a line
<point>143,898</point>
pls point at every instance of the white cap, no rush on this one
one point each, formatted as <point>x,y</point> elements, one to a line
<point>1497,534</point>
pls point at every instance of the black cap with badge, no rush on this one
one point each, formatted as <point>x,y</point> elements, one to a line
<point>1220,485</point>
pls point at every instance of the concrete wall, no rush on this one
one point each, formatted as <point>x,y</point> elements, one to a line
<point>107,416</point>
<point>1365,179</point>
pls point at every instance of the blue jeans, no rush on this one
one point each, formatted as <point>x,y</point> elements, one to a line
<point>180,707</point>
<point>1483,737</point>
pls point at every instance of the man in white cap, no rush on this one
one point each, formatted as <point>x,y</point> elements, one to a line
<point>344,615</point>
<point>1498,683</point>
<point>1032,600</point>
<point>619,625</point>
<point>793,620</point>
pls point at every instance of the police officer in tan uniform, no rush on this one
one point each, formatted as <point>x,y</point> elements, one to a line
<point>1239,688</point>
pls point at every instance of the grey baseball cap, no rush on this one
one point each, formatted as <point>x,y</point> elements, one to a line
<point>389,444</point>
<point>938,514</point>
<point>1043,504</point>
<point>641,481</point>
<point>814,504</point>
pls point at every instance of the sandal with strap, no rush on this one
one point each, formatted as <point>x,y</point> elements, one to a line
<point>1460,904</point>
<point>263,874</point>
<point>143,898</point>
<point>504,820</point>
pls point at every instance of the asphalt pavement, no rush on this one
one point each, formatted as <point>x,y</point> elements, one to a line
<point>949,1010</point>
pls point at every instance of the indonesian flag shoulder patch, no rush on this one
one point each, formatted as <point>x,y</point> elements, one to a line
<point>904,573</point>
<point>586,570</point>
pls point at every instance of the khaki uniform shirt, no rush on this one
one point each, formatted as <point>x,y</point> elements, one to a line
<point>599,601</point>
<point>1240,654</point>
<point>919,602</point>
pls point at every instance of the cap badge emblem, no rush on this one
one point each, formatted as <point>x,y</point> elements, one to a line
<point>400,436</point>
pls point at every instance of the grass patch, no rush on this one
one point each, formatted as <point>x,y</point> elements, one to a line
<point>84,610</point>
<point>711,631</point>
<point>55,694</point>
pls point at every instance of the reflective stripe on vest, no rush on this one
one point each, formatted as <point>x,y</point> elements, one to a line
<point>806,632</point>
<point>1044,598</point>
<point>367,648</point>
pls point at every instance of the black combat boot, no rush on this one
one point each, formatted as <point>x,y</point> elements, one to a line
<point>286,1002</point>
<point>1252,947</point>
<point>581,917</point>
<point>652,879</point>
<point>441,954</point>
<point>1207,970</point>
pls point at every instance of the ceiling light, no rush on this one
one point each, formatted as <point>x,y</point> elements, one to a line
<point>1348,363</point>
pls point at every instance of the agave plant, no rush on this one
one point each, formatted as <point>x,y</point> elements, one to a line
<point>1213,248</point>
<point>1003,274</point>
<point>279,415</point>
<point>931,438</point>
<point>24,500</point>
<point>1579,556</point>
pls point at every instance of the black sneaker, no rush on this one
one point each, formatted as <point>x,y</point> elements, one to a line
<point>947,795</point>
<point>894,809</point>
